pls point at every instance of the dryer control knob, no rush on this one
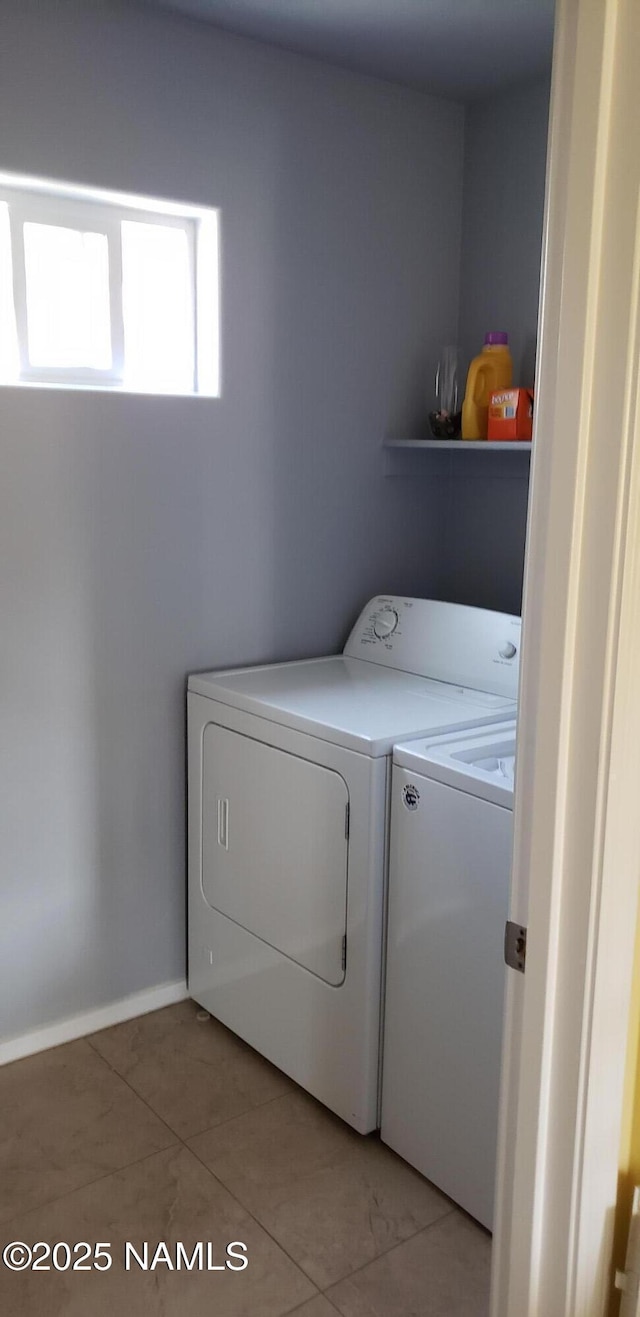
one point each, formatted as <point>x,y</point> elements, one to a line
<point>385,623</point>
<point>507,650</point>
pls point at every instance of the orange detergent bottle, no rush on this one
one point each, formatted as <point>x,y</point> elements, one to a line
<point>491,370</point>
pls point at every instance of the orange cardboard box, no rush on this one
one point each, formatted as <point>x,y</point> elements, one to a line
<point>510,415</point>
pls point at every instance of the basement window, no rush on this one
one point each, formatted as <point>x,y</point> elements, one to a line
<point>104,290</point>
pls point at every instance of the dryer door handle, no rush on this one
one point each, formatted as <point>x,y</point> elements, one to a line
<point>223,823</point>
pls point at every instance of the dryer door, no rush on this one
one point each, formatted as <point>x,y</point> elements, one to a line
<point>275,848</point>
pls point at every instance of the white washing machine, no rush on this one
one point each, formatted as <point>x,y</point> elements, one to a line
<point>289,769</point>
<point>449,870</point>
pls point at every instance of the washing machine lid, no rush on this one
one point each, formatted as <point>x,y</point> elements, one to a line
<point>360,705</point>
<point>481,763</point>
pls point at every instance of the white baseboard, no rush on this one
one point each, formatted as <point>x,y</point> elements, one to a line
<point>78,1026</point>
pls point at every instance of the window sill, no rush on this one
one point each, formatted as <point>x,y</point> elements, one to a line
<point>119,389</point>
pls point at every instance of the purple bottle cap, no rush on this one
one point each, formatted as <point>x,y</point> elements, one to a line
<point>497,339</point>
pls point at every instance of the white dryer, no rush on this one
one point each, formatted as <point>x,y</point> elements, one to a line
<point>449,868</point>
<point>289,769</point>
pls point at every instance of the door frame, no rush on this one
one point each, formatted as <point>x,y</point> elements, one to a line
<point>576,834</point>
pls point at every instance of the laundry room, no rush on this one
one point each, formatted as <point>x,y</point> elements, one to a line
<point>152,536</point>
<point>368,217</point>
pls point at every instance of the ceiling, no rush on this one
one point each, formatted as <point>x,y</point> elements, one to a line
<point>462,49</point>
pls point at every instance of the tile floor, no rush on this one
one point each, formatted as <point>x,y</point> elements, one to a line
<point>168,1129</point>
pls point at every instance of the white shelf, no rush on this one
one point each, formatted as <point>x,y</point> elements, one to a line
<point>501,446</point>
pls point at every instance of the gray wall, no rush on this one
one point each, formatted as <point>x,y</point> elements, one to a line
<point>504,172</point>
<point>141,538</point>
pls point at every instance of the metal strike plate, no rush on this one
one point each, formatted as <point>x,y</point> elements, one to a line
<point>515,946</point>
